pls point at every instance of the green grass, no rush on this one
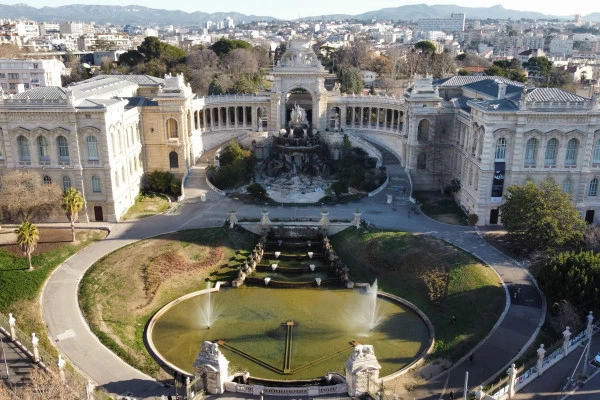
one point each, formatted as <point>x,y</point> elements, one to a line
<point>19,284</point>
<point>474,294</point>
<point>441,208</point>
<point>103,285</point>
<point>146,205</point>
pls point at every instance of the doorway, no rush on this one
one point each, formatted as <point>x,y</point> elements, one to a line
<point>98,215</point>
<point>494,216</point>
<point>589,216</point>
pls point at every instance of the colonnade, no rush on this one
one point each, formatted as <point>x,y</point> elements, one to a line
<point>230,117</point>
<point>379,118</point>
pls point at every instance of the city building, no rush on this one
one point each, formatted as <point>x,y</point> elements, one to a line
<point>29,73</point>
<point>456,23</point>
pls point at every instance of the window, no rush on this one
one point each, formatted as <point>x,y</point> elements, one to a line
<point>35,66</point>
<point>423,130</point>
<point>551,147</point>
<point>172,129</point>
<point>43,149</point>
<point>25,76</point>
<point>23,145</point>
<point>92,148</point>
<point>593,190</point>
<point>422,161</point>
<point>596,154</point>
<point>12,75</point>
<point>95,184</point>
<point>47,180</point>
<point>567,186</point>
<point>500,149</point>
<point>2,75</point>
<point>63,149</point>
<point>173,160</point>
<point>66,181</point>
<point>531,151</point>
<point>571,155</point>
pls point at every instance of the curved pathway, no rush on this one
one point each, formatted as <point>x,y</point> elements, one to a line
<point>71,334</point>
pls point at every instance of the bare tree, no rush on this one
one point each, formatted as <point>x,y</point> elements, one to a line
<point>25,197</point>
<point>354,54</point>
<point>204,59</point>
<point>240,61</point>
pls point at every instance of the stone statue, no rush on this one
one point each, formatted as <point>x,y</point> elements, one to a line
<point>336,86</point>
<point>298,115</point>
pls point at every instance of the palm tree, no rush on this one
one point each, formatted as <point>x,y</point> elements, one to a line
<point>27,238</point>
<point>72,203</point>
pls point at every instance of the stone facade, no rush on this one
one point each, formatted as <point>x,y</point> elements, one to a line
<point>485,133</point>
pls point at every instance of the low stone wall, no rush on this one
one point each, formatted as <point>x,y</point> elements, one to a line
<point>257,390</point>
<point>332,229</point>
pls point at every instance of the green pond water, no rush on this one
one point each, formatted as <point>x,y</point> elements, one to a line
<point>326,321</point>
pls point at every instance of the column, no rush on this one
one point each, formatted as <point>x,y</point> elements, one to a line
<point>253,115</point>
<point>36,351</point>
<point>566,338</point>
<point>11,323</point>
<point>244,117</point>
<point>512,375</point>
<point>540,361</point>
<point>362,113</point>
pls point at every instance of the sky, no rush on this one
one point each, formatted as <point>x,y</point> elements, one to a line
<point>292,9</point>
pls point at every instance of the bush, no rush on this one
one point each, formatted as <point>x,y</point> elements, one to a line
<point>257,191</point>
<point>473,219</point>
<point>163,182</point>
<point>339,187</point>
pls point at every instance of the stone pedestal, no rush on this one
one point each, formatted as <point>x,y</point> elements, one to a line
<point>362,371</point>
<point>356,220</point>
<point>36,351</point>
<point>324,222</point>
<point>232,219</point>
<point>11,323</point>
<point>265,222</point>
<point>566,338</point>
<point>212,368</point>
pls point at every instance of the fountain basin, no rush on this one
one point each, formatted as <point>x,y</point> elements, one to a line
<point>251,321</point>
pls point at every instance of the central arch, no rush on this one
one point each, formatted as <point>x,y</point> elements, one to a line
<point>303,97</point>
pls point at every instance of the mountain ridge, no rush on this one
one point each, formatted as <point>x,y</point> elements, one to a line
<point>141,15</point>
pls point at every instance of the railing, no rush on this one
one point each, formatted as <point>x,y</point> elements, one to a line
<point>77,382</point>
<point>235,98</point>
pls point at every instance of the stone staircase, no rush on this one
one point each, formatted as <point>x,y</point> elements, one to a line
<point>398,186</point>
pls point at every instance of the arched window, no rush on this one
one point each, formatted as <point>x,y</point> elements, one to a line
<point>23,145</point>
<point>422,161</point>
<point>593,190</point>
<point>47,180</point>
<point>92,148</point>
<point>531,151</point>
<point>567,186</point>
<point>551,148</point>
<point>596,155</point>
<point>63,149</point>
<point>172,129</point>
<point>42,143</point>
<point>500,154</point>
<point>571,154</point>
<point>66,182</point>
<point>423,130</point>
<point>173,160</point>
<point>95,184</point>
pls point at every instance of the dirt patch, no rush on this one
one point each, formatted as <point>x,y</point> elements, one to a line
<point>50,238</point>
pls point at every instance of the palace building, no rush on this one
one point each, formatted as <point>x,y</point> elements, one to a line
<point>481,133</point>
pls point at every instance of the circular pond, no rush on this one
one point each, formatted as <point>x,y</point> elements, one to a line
<point>286,334</point>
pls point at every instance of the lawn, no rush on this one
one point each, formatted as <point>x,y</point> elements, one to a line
<point>441,207</point>
<point>440,279</point>
<point>21,288</point>
<point>121,292</point>
<point>146,205</point>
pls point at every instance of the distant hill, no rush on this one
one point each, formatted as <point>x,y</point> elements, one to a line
<point>413,12</point>
<point>140,15</point>
<point>134,15</point>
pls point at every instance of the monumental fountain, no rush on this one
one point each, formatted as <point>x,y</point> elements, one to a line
<point>294,323</point>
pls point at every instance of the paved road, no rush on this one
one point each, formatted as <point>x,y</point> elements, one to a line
<point>68,329</point>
